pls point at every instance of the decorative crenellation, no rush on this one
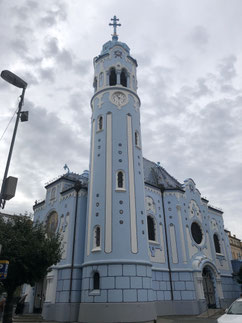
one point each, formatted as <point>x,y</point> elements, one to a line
<point>153,190</point>
<point>40,208</point>
<point>66,196</point>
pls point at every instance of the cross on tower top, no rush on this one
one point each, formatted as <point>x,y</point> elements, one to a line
<point>114,24</point>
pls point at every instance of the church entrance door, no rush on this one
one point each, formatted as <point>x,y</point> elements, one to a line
<point>39,296</point>
<point>208,287</point>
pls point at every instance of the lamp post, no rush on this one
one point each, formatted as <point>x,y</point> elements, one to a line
<point>9,183</point>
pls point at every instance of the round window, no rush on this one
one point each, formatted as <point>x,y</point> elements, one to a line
<point>196,232</point>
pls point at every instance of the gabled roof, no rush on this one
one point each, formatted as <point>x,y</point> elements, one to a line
<point>156,175</point>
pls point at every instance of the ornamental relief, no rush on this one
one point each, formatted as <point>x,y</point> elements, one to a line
<point>64,231</point>
<point>150,204</point>
<point>118,53</point>
<point>98,102</point>
<point>214,225</point>
<point>194,210</point>
<point>51,223</point>
<point>136,104</point>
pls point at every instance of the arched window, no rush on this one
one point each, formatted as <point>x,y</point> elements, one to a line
<point>100,123</point>
<point>112,77</point>
<point>53,193</point>
<point>123,78</point>
<point>151,228</point>
<point>95,84</point>
<point>101,79</point>
<point>216,243</point>
<point>120,179</point>
<point>120,183</point>
<point>97,237</point>
<point>137,139</point>
<point>96,280</point>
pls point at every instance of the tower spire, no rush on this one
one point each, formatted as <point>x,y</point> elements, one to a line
<point>114,24</point>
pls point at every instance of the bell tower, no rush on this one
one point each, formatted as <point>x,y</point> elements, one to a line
<point>116,275</point>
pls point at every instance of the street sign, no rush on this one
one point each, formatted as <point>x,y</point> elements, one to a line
<point>3,268</point>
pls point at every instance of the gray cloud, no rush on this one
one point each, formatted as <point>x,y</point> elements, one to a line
<point>199,36</point>
<point>55,14</point>
<point>65,58</point>
<point>189,80</point>
<point>82,67</point>
<point>52,48</point>
<point>47,74</point>
<point>227,69</point>
<point>32,4</point>
<point>20,47</point>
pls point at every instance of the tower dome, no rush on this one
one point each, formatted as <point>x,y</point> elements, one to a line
<point>114,42</point>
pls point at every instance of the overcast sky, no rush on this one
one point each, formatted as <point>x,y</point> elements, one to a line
<point>189,54</point>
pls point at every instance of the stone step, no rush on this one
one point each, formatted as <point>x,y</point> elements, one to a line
<point>211,312</point>
<point>28,318</point>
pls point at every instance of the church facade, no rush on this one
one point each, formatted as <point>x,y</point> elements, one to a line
<point>137,244</point>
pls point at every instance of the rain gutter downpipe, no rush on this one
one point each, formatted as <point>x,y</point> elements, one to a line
<point>167,245</point>
<point>77,188</point>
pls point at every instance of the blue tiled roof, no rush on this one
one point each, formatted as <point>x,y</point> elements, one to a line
<point>156,175</point>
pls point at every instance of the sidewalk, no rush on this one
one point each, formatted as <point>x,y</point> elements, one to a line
<point>206,317</point>
<point>209,316</point>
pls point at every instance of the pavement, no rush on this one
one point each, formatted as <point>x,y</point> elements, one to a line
<point>184,319</point>
<point>207,317</point>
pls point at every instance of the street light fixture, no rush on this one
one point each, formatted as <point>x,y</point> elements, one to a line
<point>9,184</point>
<point>13,79</point>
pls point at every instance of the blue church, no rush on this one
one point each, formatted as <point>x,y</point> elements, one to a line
<point>137,243</point>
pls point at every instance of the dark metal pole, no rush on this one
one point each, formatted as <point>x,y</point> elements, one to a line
<point>162,189</point>
<point>2,202</point>
<point>77,188</point>
<point>167,246</point>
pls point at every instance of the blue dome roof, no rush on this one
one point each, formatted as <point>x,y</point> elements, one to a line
<point>111,43</point>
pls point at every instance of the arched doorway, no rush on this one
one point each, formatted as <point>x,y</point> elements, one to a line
<point>39,296</point>
<point>209,287</point>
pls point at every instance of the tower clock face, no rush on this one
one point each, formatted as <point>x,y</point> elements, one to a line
<point>119,98</point>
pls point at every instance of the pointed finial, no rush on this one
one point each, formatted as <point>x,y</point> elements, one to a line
<point>114,24</point>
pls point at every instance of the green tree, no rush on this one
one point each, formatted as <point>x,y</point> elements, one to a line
<point>30,252</point>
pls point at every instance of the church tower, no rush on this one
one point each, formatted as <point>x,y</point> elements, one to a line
<point>116,275</point>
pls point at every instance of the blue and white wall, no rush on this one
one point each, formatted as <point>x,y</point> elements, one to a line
<point>58,211</point>
<point>180,278</point>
